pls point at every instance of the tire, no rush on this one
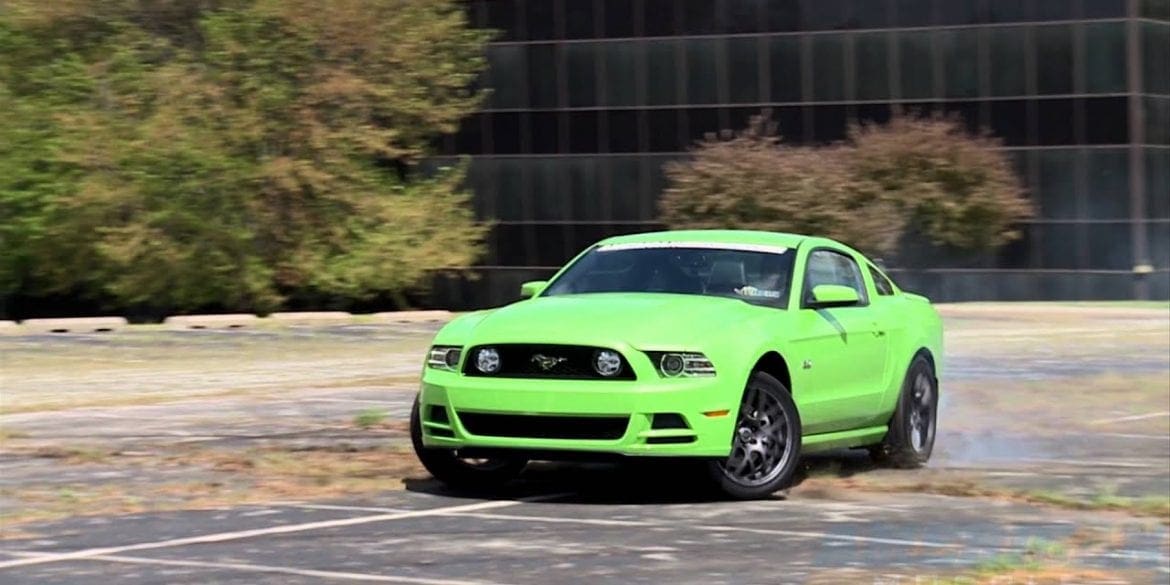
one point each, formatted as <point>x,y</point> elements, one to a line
<point>910,439</point>
<point>463,474</point>
<point>765,446</point>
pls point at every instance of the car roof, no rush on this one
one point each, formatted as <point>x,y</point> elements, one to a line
<point>758,238</point>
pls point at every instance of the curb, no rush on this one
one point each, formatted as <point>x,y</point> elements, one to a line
<point>413,316</point>
<point>311,317</point>
<point>74,325</point>
<point>229,321</point>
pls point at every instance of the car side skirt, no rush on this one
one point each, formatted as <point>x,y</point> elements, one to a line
<point>843,439</point>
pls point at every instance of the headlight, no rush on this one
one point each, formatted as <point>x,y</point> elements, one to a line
<point>444,357</point>
<point>674,364</point>
<point>487,360</point>
<point>607,363</point>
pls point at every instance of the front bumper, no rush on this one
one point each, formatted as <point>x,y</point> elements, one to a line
<point>568,415</point>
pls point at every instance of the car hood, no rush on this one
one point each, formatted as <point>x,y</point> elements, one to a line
<point>642,320</point>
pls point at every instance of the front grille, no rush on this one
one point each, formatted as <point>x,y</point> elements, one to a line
<point>519,360</point>
<point>523,426</point>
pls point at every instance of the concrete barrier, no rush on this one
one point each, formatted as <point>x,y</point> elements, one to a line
<point>413,316</point>
<point>311,317</point>
<point>229,321</point>
<point>73,325</point>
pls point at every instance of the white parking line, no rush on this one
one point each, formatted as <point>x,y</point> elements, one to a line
<point>1105,421</point>
<point>285,529</point>
<point>250,567</point>
<point>709,528</point>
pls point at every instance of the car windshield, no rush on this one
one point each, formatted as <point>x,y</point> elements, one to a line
<point>756,274</point>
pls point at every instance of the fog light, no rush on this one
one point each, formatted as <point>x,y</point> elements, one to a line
<point>487,360</point>
<point>607,363</point>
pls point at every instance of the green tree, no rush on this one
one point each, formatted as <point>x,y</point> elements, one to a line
<point>232,152</point>
<point>921,174</point>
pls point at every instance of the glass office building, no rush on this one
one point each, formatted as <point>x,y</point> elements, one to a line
<point>590,98</point>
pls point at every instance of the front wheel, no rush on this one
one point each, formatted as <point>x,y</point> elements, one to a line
<point>765,446</point>
<point>910,440</point>
<point>460,472</point>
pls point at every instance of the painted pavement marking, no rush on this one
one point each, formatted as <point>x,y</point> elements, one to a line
<point>243,534</point>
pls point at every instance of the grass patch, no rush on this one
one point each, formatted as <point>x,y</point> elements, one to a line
<point>370,418</point>
<point>1106,500</point>
<point>223,478</point>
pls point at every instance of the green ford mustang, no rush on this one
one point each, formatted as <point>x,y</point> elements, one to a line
<point>738,348</point>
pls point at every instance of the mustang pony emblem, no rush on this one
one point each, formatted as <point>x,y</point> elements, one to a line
<point>546,362</point>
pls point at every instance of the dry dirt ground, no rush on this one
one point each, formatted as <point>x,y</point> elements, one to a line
<point>279,454</point>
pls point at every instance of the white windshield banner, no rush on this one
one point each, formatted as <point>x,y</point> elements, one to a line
<point>694,245</point>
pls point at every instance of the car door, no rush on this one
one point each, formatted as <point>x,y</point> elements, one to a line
<point>839,352</point>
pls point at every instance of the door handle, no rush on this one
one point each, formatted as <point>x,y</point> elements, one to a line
<point>879,333</point>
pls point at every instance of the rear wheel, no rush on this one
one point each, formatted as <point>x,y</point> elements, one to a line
<point>461,472</point>
<point>765,445</point>
<point>910,440</point>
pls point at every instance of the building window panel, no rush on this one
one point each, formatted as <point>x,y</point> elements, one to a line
<point>501,16</point>
<point>699,17</point>
<point>581,74</point>
<point>745,16</point>
<point>1110,246</point>
<point>1008,51</point>
<point>1007,11</point>
<point>960,54</point>
<point>1104,8</point>
<point>505,76</point>
<point>825,15</point>
<point>1108,185</point>
<point>784,57</point>
<point>1106,120</point>
<point>579,19</point>
<point>702,71</point>
<point>623,130</point>
<point>625,187</point>
<point>542,76</point>
<point>917,69</point>
<point>658,17</point>
<point>1155,9</point>
<point>914,12</point>
<point>701,122</point>
<point>1054,58</point>
<point>873,113</point>
<point>1055,122</point>
<point>829,123</point>
<point>1104,52</point>
<point>545,128</point>
<point>584,188</point>
<point>1157,183</point>
<point>1157,112</point>
<point>1060,242</point>
<point>828,74</point>
<point>1045,10</point>
<point>869,14</point>
<point>621,72</point>
<point>871,56</point>
<point>952,12</point>
<point>540,19</point>
<point>743,67</point>
<point>1156,57</point>
<point>663,130</point>
<point>783,15</point>
<point>505,133</point>
<point>619,18</point>
<point>661,73</point>
<point>583,132</point>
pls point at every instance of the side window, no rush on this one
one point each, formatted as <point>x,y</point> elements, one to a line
<point>883,285</point>
<point>829,267</point>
